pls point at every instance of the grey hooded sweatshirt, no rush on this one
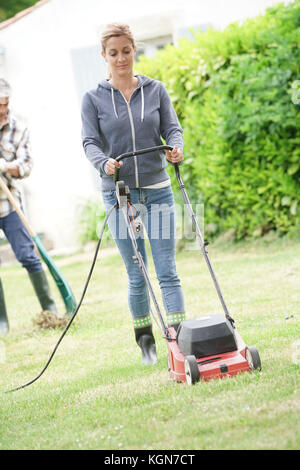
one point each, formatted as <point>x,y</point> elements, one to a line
<point>112,126</point>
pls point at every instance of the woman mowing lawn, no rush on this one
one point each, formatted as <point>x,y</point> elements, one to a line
<point>125,113</point>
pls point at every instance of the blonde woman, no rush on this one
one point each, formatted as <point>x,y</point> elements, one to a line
<point>125,113</point>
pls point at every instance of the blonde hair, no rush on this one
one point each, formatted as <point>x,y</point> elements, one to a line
<point>116,30</point>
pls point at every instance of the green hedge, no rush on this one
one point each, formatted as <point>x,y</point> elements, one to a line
<point>235,92</point>
<point>9,8</point>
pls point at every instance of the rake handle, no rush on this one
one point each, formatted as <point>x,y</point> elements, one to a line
<point>15,205</point>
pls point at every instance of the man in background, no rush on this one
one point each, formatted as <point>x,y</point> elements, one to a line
<point>15,164</point>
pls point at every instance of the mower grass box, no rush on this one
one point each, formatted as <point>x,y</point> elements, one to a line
<point>206,336</point>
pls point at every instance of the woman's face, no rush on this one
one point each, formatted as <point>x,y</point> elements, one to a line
<point>120,54</point>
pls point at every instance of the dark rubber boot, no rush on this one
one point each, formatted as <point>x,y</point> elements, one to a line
<point>42,290</point>
<point>4,326</point>
<point>145,339</point>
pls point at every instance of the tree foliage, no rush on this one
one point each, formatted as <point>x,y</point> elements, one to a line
<point>235,92</point>
<point>9,8</point>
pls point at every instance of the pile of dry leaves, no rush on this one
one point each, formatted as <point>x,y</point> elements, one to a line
<point>47,319</point>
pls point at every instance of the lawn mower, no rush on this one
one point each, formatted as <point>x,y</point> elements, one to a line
<point>206,347</point>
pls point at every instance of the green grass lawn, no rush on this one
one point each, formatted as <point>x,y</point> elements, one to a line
<point>96,394</point>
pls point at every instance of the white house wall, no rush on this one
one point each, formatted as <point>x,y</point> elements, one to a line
<point>42,54</point>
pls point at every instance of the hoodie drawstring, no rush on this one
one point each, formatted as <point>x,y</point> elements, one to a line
<point>113,102</point>
<point>142,103</point>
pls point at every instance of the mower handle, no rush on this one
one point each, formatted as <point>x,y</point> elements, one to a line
<point>195,223</point>
<point>140,152</point>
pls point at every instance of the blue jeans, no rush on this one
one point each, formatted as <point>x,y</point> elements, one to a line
<point>156,208</point>
<point>20,241</point>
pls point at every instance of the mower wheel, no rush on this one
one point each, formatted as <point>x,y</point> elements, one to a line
<point>191,370</point>
<point>253,358</point>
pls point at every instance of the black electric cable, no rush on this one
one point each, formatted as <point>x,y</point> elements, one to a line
<point>76,311</point>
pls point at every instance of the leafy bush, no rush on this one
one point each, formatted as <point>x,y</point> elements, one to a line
<point>9,8</point>
<point>91,215</point>
<point>232,91</point>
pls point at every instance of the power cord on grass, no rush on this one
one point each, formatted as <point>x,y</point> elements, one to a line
<point>77,308</point>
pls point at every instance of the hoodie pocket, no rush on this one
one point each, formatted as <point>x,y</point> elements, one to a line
<point>151,162</point>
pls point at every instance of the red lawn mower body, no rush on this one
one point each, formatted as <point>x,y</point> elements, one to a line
<point>210,367</point>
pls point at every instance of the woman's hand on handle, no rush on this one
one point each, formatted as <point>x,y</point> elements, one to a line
<point>175,155</point>
<point>110,166</point>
